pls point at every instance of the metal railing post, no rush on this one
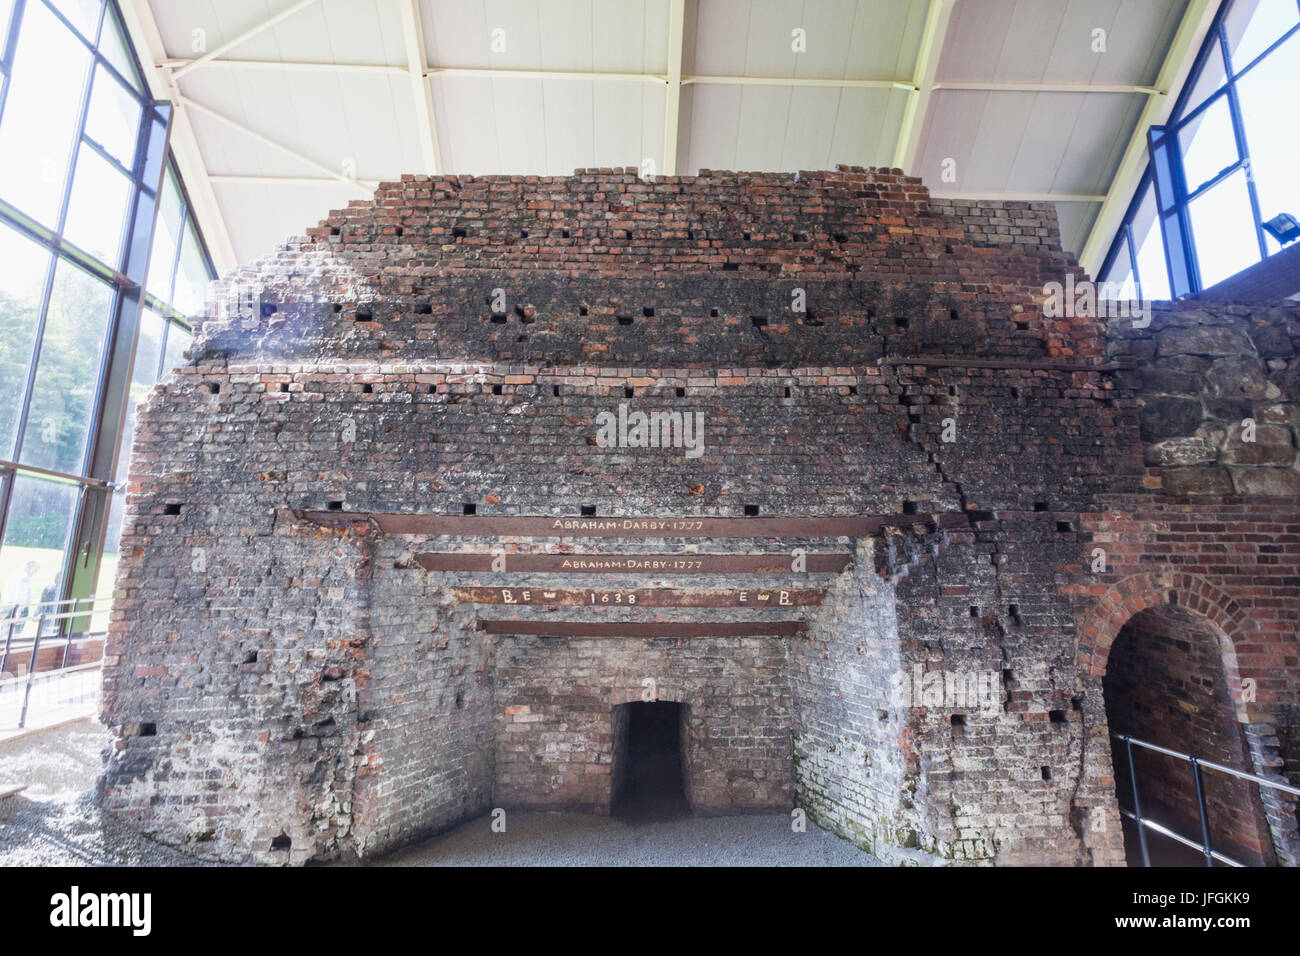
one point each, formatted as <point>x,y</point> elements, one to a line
<point>31,671</point>
<point>1137,800</point>
<point>9,639</point>
<point>1205,816</point>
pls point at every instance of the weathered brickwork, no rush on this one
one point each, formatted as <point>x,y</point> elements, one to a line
<point>284,689</point>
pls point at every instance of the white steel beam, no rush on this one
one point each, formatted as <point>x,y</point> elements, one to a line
<point>142,30</point>
<point>288,180</point>
<point>800,81</point>
<point>673,101</point>
<point>991,87</point>
<point>494,73</point>
<point>995,196</point>
<point>267,141</point>
<point>421,93</point>
<point>918,101</point>
<point>246,35</point>
<point>1196,22</point>
<point>287,66</point>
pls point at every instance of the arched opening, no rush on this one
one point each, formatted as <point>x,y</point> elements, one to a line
<point>647,776</point>
<point>1165,683</point>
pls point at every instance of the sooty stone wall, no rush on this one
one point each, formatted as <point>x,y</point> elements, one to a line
<point>285,687</point>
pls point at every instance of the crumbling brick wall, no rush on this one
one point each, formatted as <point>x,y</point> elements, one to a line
<point>283,689</point>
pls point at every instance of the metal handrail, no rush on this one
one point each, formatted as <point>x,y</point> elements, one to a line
<point>33,660</point>
<point>1197,764</point>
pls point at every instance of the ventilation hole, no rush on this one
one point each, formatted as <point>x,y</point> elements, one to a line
<point>469,508</point>
<point>871,313</point>
<point>212,388</point>
<point>751,511</point>
<point>1015,392</point>
<point>338,307</point>
<point>853,390</point>
<point>629,391</point>
<point>564,234</point>
<point>787,391</point>
<point>1056,716</point>
<point>1064,527</point>
<point>268,310</point>
<point>624,319</point>
<point>399,232</point>
<point>171,508</point>
<point>282,842</point>
<point>523,233</point>
<point>799,236</point>
<point>713,313</point>
<point>457,232</point>
<point>364,315</point>
<point>758,320</point>
<point>251,658</point>
<point>901,322</point>
<point>690,234</point>
<point>948,249</point>
<point>1076,703</point>
<point>681,392</point>
<point>648,311</point>
<point>1040,505</point>
<point>745,236</point>
<point>976,515</point>
<point>334,506</point>
<point>730,266</point>
<point>432,389</point>
<point>582,310</point>
<point>334,230</point>
<point>952,390</point>
<point>958,720</point>
<point>587,511</point>
<point>840,237</point>
<point>909,507</point>
<point>367,388</point>
<point>424,308</point>
<point>1013,612</point>
<point>496,389</point>
<point>882,715</point>
<point>1046,772</point>
<point>1022,326</point>
<point>499,318</point>
<point>952,314</point>
<point>555,390</point>
<point>974,611</point>
<point>1008,677</point>
<point>149,730</point>
<point>460,699</point>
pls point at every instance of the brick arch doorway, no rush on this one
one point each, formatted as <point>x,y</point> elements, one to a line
<point>1167,681</point>
<point>649,773</point>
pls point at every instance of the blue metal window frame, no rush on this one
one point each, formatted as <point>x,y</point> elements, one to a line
<point>1179,241</point>
<point>124,277</point>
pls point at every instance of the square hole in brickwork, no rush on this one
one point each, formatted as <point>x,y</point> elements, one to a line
<point>1056,716</point>
<point>499,318</point>
<point>149,729</point>
<point>787,391</point>
<point>424,308</point>
<point>469,508</point>
<point>399,232</point>
<point>496,389</point>
<point>629,391</point>
<point>958,722</point>
<point>901,322</point>
<point>681,392</point>
<point>648,311</point>
<point>364,314</point>
<point>523,233</point>
<point>974,611</point>
<point>840,237</point>
<point>882,715</point>
<point>282,842</point>
<point>1022,326</point>
<point>1013,612</point>
<point>759,321</point>
<point>853,390</point>
<point>171,508</point>
<point>337,307</point>
<point>909,507</point>
<point>564,234</point>
<point>799,236</point>
<point>730,266</point>
<point>587,511</point>
<point>458,232</point>
<point>367,388</point>
<point>555,390</point>
<point>1007,676</point>
<point>713,313</point>
<point>212,388</point>
<point>1046,772</point>
<point>1076,703</point>
<point>582,310</point>
<point>624,319</point>
<point>1015,392</point>
<point>952,314</point>
<point>334,230</point>
<point>745,236</point>
<point>334,506</point>
<point>952,390</point>
<point>751,511</point>
<point>1040,505</point>
<point>1065,527</point>
<point>268,309</point>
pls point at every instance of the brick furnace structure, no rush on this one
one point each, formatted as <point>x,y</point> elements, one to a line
<point>397,554</point>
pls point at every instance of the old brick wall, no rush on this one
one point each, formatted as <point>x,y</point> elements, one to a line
<point>281,691</point>
<point>1165,683</point>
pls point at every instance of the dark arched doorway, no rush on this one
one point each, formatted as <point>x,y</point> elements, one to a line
<point>1165,683</point>
<point>648,780</point>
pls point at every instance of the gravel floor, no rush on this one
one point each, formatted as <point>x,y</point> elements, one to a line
<point>576,839</point>
<point>54,822</point>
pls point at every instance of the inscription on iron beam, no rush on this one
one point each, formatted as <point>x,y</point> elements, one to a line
<point>662,564</point>
<point>642,597</point>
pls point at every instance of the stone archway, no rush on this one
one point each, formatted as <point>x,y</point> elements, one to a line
<point>1220,622</point>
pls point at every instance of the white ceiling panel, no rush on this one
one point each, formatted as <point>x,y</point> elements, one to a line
<point>261,216</point>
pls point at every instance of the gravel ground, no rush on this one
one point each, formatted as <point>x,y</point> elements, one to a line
<point>576,839</point>
<point>54,822</point>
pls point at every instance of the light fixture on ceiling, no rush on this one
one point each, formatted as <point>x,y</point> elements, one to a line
<point>1283,227</point>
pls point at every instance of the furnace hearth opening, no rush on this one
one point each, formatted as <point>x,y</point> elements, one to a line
<point>648,777</point>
